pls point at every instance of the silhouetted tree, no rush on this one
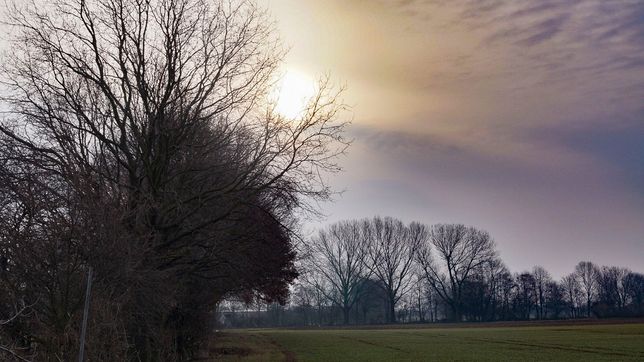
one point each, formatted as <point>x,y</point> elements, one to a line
<point>526,297</point>
<point>489,293</point>
<point>506,288</point>
<point>555,299</point>
<point>338,255</point>
<point>494,272</point>
<point>611,291</point>
<point>634,284</point>
<point>140,143</point>
<point>586,273</point>
<point>418,297</point>
<point>541,279</point>
<point>392,249</point>
<point>459,252</point>
<point>371,303</point>
<point>572,290</point>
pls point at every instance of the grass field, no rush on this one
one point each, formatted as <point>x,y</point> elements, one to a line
<point>624,342</point>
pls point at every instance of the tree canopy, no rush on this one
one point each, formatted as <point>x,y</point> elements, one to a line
<point>141,141</point>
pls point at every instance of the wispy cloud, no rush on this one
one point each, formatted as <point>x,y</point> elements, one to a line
<point>508,114</point>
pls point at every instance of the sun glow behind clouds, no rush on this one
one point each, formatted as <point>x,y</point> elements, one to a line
<point>293,93</point>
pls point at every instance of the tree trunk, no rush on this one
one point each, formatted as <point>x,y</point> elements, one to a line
<point>345,314</point>
<point>421,315</point>
<point>456,312</point>
<point>392,310</point>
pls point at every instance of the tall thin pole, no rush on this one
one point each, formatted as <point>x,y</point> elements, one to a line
<point>81,353</point>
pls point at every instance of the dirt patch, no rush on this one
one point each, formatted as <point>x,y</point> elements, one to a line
<point>288,355</point>
<point>240,346</point>
<point>230,351</point>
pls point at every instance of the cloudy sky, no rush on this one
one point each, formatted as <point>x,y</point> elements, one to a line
<point>524,118</point>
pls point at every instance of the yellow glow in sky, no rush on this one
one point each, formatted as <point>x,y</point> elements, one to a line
<point>294,92</point>
<point>458,105</point>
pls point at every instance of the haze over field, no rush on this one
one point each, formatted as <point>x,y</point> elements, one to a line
<point>524,118</point>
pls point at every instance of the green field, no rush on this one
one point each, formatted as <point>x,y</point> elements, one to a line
<point>534,343</point>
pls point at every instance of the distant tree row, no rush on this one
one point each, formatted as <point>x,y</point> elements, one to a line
<point>382,270</point>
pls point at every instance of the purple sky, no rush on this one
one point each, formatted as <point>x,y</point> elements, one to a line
<point>524,118</point>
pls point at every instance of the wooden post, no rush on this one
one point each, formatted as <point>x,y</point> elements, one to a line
<point>88,291</point>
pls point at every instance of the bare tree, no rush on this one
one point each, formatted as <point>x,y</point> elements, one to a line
<point>541,279</point>
<point>304,300</point>
<point>338,254</point>
<point>611,287</point>
<point>493,273</point>
<point>455,252</point>
<point>634,285</point>
<point>418,297</point>
<point>392,250</point>
<point>506,288</point>
<point>432,301</point>
<point>132,88</point>
<point>586,273</point>
<point>572,291</point>
<point>526,296</point>
<point>319,288</point>
<point>11,350</point>
<point>140,141</point>
<point>555,299</point>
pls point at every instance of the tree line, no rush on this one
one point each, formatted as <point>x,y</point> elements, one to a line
<point>382,270</point>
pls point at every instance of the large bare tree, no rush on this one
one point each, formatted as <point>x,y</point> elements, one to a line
<point>453,254</point>
<point>338,254</point>
<point>140,142</point>
<point>586,273</point>
<point>392,250</point>
<point>541,279</point>
<point>572,292</point>
<point>611,286</point>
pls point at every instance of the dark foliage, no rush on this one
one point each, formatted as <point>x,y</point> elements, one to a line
<point>140,143</point>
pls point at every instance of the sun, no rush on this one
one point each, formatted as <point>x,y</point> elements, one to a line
<point>294,92</point>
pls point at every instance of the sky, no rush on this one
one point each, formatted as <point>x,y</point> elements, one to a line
<point>523,118</point>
